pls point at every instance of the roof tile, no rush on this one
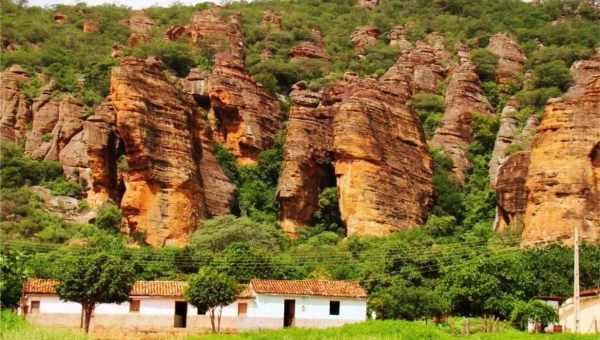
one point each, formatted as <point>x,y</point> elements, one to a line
<point>309,287</point>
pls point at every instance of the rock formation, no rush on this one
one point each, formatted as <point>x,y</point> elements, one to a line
<point>60,18</point>
<point>398,38</point>
<point>244,117</point>
<point>89,26</point>
<point>270,19</point>
<point>464,98</point>
<point>511,193</point>
<point>266,54</point>
<point>363,37</point>
<point>175,32</point>
<point>563,181</point>
<point>510,59</point>
<point>583,71</point>
<point>423,66</point>
<point>15,109</point>
<point>505,136</point>
<point>364,132</point>
<point>308,50</point>
<point>140,25</point>
<point>209,27</point>
<point>164,140</point>
<point>369,4</point>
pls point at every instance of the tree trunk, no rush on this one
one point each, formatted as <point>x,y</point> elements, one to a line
<point>81,317</point>
<point>89,309</point>
<point>219,319</point>
<point>212,319</point>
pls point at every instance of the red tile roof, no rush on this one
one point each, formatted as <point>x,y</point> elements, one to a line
<point>139,288</point>
<point>309,287</point>
<point>590,292</point>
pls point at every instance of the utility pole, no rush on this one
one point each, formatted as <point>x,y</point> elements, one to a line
<point>576,296</point>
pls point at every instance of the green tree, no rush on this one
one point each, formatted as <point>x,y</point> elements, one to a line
<point>12,275</point>
<point>533,311</point>
<point>327,217</point>
<point>109,217</point>
<point>485,64</point>
<point>210,291</point>
<point>93,278</point>
<point>552,74</point>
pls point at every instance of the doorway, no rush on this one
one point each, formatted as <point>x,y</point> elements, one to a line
<point>180,314</point>
<point>289,310</point>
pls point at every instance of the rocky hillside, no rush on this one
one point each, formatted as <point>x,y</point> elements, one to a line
<point>361,117</point>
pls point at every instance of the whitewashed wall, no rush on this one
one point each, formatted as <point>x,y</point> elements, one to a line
<point>309,307</point>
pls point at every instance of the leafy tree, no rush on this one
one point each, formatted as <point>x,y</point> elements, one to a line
<point>12,275</point>
<point>485,64</point>
<point>327,216</point>
<point>244,263</point>
<point>109,217</point>
<point>210,291</point>
<point>534,311</point>
<point>553,74</point>
<point>93,278</point>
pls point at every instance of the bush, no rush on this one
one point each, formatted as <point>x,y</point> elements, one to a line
<point>534,311</point>
<point>552,74</point>
<point>427,102</point>
<point>485,64</point>
<point>537,98</point>
<point>327,216</point>
<point>61,187</point>
<point>109,217</point>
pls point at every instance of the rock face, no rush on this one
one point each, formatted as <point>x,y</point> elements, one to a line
<point>563,181</point>
<point>363,37</point>
<point>140,25</point>
<point>15,109</point>
<point>270,19</point>
<point>223,34</point>
<point>164,139</point>
<point>424,67</point>
<point>308,50</point>
<point>363,132</point>
<point>243,116</point>
<point>583,71</point>
<point>511,192</point>
<point>510,58</point>
<point>398,38</point>
<point>89,26</point>
<point>505,136</point>
<point>369,4</point>
<point>464,98</point>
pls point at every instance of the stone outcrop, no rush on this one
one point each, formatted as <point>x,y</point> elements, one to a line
<point>15,109</point>
<point>510,59</point>
<point>464,98</point>
<point>398,38</point>
<point>369,4</point>
<point>511,193</point>
<point>60,18</point>
<point>583,71</point>
<point>270,19</point>
<point>166,141</point>
<point>308,50</point>
<point>363,131</point>
<point>89,26</point>
<point>209,27</point>
<point>67,207</point>
<point>363,37</point>
<point>504,138</point>
<point>563,181</point>
<point>244,117</point>
<point>175,32</point>
<point>139,24</point>
<point>423,66</point>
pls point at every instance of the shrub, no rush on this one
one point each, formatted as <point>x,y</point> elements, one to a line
<point>62,187</point>
<point>427,102</point>
<point>537,98</point>
<point>535,311</point>
<point>109,217</point>
<point>485,63</point>
<point>122,164</point>
<point>552,74</point>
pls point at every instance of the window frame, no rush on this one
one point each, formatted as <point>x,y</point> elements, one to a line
<point>34,307</point>
<point>245,309</point>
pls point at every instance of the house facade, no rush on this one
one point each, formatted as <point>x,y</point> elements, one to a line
<point>589,313</point>
<point>160,306</point>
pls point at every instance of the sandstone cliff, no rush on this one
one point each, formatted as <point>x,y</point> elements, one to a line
<point>563,181</point>
<point>363,131</point>
<point>511,193</point>
<point>15,109</point>
<point>510,59</point>
<point>464,98</point>
<point>506,135</point>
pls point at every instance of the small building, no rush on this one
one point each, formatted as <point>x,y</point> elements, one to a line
<point>160,306</point>
<point>589,312</point>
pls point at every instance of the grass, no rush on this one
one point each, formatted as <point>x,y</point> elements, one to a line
<point>13,327</point>
<point>389,330</point>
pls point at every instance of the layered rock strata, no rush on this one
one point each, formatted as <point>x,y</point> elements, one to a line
<point>398,38</point>
<point>244,117</point>
<point>563,181</point>
<point>363,37</point>
<point>211,28</point>
<point>505,137</point>
<point>511,193</point>
<point>511,59</point>
<point>15,108</point>
<point>140,25</point>
<point>583,71</point>
<point>464,98</point>
<point>364,132</point>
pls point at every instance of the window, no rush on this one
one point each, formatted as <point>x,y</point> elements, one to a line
<point>334,308</point>
<point>35,307</point>
<point>242,309</point>
<point>134,306</point>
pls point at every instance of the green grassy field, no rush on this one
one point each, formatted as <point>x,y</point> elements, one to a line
<point>13,327</point>
<point>390,330</point>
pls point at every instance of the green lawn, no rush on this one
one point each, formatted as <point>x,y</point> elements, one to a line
<point>384,330</point>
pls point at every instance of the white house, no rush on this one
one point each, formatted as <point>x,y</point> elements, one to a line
<point>160,305</point>
<point>589,313</point>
